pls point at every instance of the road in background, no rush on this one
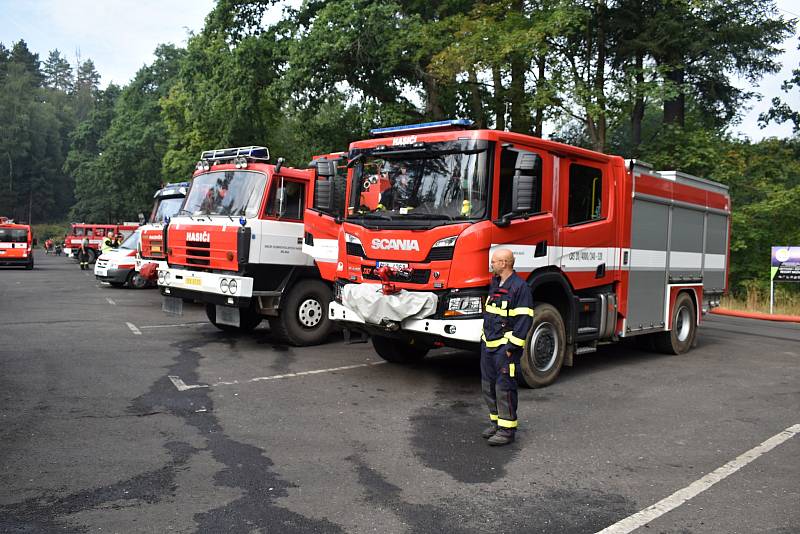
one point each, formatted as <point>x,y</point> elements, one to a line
<point>116,417</point>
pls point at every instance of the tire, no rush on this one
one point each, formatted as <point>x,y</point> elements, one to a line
<point>29,266</point>
<point>137,282</point>
<point>545,347</point>
<point>684,328</point>
<point>398,350</point>
<point>248,320</point>
<point>303,318</point>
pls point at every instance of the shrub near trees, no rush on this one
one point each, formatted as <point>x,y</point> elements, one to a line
<point>652,79</point>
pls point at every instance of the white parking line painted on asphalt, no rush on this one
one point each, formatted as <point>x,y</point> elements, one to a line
<point>134,329</point>
<point>183,386</point>
<point>639,519</point>
<point>111,301</point>
<point>171,325</point>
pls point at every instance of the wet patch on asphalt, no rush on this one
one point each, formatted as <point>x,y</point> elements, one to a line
<point>46,513</point>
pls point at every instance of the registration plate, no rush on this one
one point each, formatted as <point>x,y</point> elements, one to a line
<point>392,264</point>
<point>193,282</point>
<point>101,272</point>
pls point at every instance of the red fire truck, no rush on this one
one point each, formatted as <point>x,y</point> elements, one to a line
<point>168,201</point>
<point>236,245</point>
<point>16,244</point>
<point>95,234</point>
<point>611,248</point>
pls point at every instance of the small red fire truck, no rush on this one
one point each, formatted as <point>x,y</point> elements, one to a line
<point>95,234</point>
<point>16,244</point>
<point>168,201</point>
<point>236,245</point>
<point>611,248</point>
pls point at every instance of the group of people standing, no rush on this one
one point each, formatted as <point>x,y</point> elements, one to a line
<point>110,242</point>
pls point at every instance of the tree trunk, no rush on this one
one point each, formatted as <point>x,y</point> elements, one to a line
<point>541,62</point>
<point>499,99</point>
<point>433,109</point>
<point>675,108</point>
<point>637,114</point>
<point>476,103</point>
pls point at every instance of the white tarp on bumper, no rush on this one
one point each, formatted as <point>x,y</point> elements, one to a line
<point>369,303</point>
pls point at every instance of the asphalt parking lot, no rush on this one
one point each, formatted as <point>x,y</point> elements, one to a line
<point>117,418</point>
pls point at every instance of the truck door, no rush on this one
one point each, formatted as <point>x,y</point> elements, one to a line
<point>587,223</point>
<point>530,237</point>
<point>279,236</point>
<point>324,213</point>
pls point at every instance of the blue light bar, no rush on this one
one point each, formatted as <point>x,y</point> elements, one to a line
<point>253,152</point>
<point>438,125</point>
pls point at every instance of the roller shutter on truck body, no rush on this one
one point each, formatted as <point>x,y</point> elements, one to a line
<point>678,240</point>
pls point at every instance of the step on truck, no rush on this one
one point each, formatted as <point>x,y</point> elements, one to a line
<point>236,246</point>
<point>16,244</point>
<point>150,253</point>
<point>610,248</point>
<point>94,233</point>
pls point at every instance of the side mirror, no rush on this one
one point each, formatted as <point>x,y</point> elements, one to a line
<point>323,195</point>
<point>142,218</point>
<point>523,194</point>
<point>279,164</point>
<point>325,168</point>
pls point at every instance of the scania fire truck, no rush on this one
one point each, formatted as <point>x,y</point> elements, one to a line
<point>16,244</point>
<point>610,248</point>
<point>236,245</point>
<point>94,233</point>
<point>168,201</point>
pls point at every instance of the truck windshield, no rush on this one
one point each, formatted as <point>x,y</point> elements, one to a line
<point>132,241</point>
<point>231,193</point>
<point>13,235</point>
<point>165,207</point>
<point>439,181</point>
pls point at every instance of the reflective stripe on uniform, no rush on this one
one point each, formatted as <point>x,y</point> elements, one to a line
<point>520,311</point>
<point>493,343</point>
<point>511,370</point>
<point>491,308</point>
<point>514,339</point>
<point>505,423</point>
<point>493,417</point>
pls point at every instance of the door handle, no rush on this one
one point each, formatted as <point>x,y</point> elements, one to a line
<point>541,249</point>
<point>601,271</point>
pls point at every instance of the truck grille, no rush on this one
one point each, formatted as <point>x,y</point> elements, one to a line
<point>152,247</point>
<point>198,253</point>
<point>418,276</point>
<point>102,264</point>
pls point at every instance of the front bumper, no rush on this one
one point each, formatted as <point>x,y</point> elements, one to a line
<point>119,276</point>
<point>140,262</point>
<point>449,331</point>
<point>205,287</point>
<point>15,260</point>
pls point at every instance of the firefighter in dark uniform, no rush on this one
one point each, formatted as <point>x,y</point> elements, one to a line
<point>83,254</point>
<point>506,320</point>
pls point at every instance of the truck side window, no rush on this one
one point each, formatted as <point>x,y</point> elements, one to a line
<point>585,193</point>
<point>511,161</point>
<point>287,200</point>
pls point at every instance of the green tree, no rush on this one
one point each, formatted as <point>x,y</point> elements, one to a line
<point>58,72</point>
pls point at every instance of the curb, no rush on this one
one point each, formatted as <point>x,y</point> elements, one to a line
<point>756,315</point>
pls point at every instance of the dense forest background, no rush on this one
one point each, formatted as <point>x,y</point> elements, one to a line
<point>651,79</point>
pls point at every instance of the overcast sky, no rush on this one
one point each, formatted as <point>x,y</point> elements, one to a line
<point>120,36</point>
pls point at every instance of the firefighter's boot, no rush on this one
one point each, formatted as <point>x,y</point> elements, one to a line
<point>489,431</point>
<point>503,436</point>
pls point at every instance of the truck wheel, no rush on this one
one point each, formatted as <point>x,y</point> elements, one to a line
<point>684,328</point>
<point>398,350</point>
<point>248,319</point>
<point>545,347</point>
<point>303,319</point>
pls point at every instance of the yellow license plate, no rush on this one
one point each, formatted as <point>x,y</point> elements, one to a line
<point>155,248</point>
<point>194,282</point>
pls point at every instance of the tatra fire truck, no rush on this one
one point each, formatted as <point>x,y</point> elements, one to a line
<point>16,244</point>
<point>94,233</point>
<point>610,248</point>
<point>236,245</point>
<point>168,201</point>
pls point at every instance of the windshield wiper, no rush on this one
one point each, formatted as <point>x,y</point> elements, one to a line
<point>376,216</point>
<point>187,212</point>
<point>432,216</point>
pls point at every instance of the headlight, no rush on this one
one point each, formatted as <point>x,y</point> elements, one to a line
<point>350,238</point>
<point>446,242</point>
<point>167,277</point>
<point>223,285</point>
<point>233,286</point>
<point>161,277</point>
<point>463,306</point>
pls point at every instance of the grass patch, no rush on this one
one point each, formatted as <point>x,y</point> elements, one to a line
<point>787,300</point>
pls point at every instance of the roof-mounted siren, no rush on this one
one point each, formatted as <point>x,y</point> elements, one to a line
<point>173,188</point>
<point>425,127</point>
<point>238,156</point>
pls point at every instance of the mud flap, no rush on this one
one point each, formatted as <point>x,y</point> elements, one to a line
<point>172,305</point>
<point>228,316</point>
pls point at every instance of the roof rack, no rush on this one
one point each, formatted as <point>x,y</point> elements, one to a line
<point>257,153</point>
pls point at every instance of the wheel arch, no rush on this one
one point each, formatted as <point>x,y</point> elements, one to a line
<point>552,287</point>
